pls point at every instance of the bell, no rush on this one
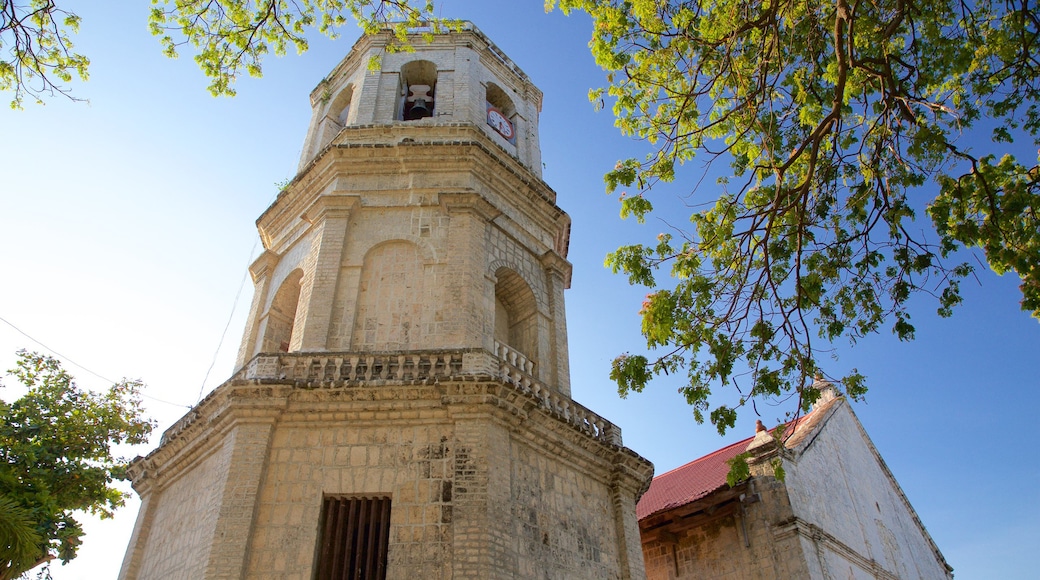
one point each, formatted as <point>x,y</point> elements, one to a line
<point>418,110</point>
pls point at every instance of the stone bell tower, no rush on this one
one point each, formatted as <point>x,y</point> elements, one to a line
<point>402,406</point>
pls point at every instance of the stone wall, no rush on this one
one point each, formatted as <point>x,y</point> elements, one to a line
<point>727,538</point>
<point>854,520</point>
<point>838,513</point>
<point>486,479</point>
<point>406,253</point>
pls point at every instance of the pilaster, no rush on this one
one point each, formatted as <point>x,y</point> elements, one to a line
<point>558,273</point>
<point>330,215</point>
<point>467,250</point>
<point>135,551</point>
<point>626,526</point>
<point>246,445</point>
<point>260,271</point>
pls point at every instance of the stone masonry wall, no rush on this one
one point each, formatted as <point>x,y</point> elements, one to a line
<point>404,454</point>
<point>714,546</point>
<point>184,519</point>
<point>468,499</point>
<point>479,488</point>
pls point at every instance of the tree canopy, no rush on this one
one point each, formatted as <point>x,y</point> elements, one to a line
<point>56,459</point>
<point>840,130</point>
<point>836,120</point>
<point>228,37</point>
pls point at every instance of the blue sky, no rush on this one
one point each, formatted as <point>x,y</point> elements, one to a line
<point>126,226</point>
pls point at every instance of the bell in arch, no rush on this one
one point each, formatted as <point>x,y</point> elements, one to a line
<point>420,103</point>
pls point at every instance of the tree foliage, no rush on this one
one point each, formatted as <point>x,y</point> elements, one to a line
<point>837,119</point>
<point>56,458</point>
<point>37,53</point>
<point>228,37</point>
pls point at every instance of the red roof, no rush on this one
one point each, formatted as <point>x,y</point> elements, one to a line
<point>689,482</point>
<point>700,477</point>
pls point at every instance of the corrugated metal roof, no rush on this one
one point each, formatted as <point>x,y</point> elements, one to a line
<point>700,477</point>
<point>689,482</point>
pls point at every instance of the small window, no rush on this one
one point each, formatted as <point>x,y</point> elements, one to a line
<point>355,535</point>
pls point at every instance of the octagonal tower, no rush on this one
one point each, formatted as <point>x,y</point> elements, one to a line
<point>402,405</point>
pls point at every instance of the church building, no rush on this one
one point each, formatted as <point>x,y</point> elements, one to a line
<point>837,513</point>
<point>401,406</point>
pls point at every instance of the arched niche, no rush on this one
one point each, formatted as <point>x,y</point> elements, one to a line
<point>516,313</point>
<point>281,316</point>
<point>418,90</point>
<point>390,300</point>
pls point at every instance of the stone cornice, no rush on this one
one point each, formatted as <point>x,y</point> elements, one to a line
<point>433,149</point>
<point>820,537</point>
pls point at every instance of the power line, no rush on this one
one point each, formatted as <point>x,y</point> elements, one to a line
<point>79,366</point>
<point>227,325</point>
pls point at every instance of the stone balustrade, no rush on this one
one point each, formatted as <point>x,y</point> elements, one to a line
<point>338,367</point>
<point>514,369</point>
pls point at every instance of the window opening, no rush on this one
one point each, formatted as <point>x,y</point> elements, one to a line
<point>418,90</point>
<point>515,313</point>
<point>281,316</point>
<point>341,105</point>
<point>355,537</point>
<point>501,114</point>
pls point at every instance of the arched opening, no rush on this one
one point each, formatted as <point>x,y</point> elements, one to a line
<point>418,90</point>
<point>501,114</point>
<point>340,107</point>
<point>515,313</point>
<point>281,316</point>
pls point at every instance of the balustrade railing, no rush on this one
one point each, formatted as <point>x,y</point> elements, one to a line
<point>354,366</point>
<point>514,369</point>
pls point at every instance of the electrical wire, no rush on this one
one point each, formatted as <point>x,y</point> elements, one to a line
<point>227,325</point>
<point>79,366</point>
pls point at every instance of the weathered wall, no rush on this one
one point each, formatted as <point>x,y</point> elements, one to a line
<point>730,542</point>
<point>839,513</point>
<point>390,447</point>
<point>397,246</point>
<point>855,521</point>
<point>484,480</point>
<point>184,517</point>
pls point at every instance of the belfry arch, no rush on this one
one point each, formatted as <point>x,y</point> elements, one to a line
<point>281,316</point>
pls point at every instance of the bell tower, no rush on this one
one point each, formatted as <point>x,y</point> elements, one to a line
<point>402,405</point>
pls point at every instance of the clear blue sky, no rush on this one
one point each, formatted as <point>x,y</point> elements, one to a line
<point>126,226</point>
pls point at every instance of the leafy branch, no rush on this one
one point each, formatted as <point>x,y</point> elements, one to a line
<point>37,58</point>
<point>832,118</point>
<point>232,36</point>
